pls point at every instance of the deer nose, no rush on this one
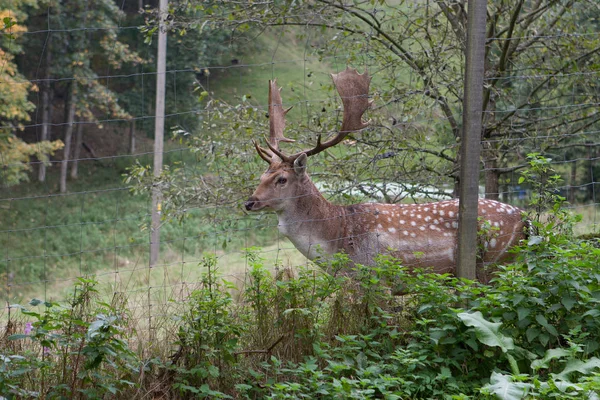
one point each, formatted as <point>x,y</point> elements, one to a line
<point>249,204</point>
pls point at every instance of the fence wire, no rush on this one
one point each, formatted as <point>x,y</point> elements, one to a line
<point>99,227</point>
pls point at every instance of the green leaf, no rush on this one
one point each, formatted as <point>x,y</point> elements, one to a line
<point>503,387</point>
<point>487,332</point>
<point>544,322</point>
<point>549,356</point>
<point>35,302</point>
<point>568,302</point>
<point>18,336</point>
<point>523,313</point>
<point>531,333</point>
<point>575,365</point>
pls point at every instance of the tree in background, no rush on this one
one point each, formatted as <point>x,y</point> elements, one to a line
<point>84,55</point>
<point>539,60</point>
<point>15,154</point>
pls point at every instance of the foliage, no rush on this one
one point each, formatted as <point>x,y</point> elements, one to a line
<point>73,350</point>
<point>87,51</point>
<point>207,339</point>
<point>530,334</point>
<point>15,106</point>
<point>15,156</point>
<point>546,204</point>
<point>417,51</point>
<point>193,48</point>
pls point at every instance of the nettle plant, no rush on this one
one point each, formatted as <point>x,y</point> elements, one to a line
<point>71,350</point>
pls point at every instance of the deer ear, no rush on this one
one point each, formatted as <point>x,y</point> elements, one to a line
<point>300,164</point>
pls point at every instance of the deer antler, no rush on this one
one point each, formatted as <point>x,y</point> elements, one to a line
<point>276,125</point>
<point>352,87</point>
<point>354,91</point>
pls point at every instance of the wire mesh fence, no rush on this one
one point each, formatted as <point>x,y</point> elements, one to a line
<point>100,226</point>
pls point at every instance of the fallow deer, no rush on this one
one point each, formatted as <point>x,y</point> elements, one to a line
<point>421,235</point>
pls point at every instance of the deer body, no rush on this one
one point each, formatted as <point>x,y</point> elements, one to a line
<point>421,235</point>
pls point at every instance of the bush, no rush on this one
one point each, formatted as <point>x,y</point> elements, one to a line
<point>77,350</point>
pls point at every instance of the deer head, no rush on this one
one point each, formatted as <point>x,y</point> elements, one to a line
<point>285,180</point>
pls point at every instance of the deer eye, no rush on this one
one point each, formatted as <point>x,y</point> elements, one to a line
<point>281,180</point>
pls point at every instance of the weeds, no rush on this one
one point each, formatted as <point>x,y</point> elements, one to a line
<point>531,333</point>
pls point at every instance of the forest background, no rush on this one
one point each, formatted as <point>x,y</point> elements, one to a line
<point>77,114</point>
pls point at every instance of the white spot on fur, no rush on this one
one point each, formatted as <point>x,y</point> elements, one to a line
<point>455,224</point>
<point>392,230</point>
<point>493,243</point>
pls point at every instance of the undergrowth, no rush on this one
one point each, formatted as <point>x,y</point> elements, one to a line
<point>531,333</point>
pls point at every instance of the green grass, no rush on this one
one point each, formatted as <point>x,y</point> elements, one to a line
<point>47,239</point>
<point>283,56</point>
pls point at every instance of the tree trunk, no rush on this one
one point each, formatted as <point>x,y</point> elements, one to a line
<point>132,137</point>
<point>77,152</point>
<point>492,179</point>
<point>68,135</point>
<point>46,110</point>
<point>573,182</point>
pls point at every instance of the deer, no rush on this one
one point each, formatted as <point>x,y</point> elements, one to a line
<point>419,235</point>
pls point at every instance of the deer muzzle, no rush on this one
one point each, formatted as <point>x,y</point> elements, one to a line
<point>250,203</point>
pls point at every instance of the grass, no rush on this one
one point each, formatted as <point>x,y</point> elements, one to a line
<point>283,56</point>
<point>47,238</point>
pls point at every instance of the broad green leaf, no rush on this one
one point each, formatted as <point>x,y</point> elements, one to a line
<point>550,355</point>
<point>568,302</point>
<point>578,366</point>
<point>487,332</point>
<point>544,322</point>
<point>503,387</point>
<point>523,312</point>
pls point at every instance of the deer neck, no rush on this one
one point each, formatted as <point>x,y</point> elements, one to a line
<point>310,222</point>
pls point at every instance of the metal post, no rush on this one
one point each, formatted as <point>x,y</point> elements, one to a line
<point>159,128</point>
<point>471,137</point>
